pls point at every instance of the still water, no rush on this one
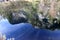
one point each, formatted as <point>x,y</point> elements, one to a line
<point>25,31</point>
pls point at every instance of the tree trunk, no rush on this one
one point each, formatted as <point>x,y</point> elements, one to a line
<point>52,11</point>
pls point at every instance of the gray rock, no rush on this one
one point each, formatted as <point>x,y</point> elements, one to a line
<point>19,17</point>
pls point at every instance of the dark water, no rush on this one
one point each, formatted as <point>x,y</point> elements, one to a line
<point>25,31</point>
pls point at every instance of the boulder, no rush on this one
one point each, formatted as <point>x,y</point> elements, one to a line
<point>18,17</point>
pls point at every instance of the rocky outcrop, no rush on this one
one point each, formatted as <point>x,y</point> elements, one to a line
<point>19,17</point>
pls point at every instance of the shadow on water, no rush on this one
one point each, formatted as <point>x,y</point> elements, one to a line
<point>25,31</point>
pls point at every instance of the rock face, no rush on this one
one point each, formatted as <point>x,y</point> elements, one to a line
<point>19,17</point>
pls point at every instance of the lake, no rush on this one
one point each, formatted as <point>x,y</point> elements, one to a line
<point>25,31</point>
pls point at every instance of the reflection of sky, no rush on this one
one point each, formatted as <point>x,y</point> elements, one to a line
<point>27,32</point>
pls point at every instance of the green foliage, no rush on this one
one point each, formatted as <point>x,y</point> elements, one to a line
<point>32,9</point>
